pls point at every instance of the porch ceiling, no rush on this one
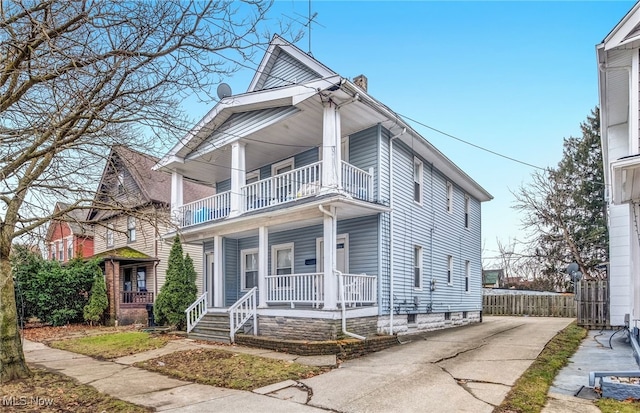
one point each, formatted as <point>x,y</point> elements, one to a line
<point>305,213</point>
<point>282,139</point>
<point>625,174</point>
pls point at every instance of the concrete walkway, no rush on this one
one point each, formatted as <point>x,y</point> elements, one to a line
<point>465,369</point>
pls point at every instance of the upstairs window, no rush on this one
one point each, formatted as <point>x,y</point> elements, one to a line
<point>109,235</point>
<point>449,270</point>
<point>120,184</point>
<point>449,197</point>
<point>417,181</point>
<point>131,229</point>
<point>466,211</point>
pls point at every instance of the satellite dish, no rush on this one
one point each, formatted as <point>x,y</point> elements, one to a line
<point>572,268</point>
<point>224,90</point>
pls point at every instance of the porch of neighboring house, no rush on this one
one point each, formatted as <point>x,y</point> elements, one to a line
<point>130,287</point>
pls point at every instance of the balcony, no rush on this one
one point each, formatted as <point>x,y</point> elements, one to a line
<point>284,188</point>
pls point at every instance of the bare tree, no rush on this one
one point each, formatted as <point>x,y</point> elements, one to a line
<point>77,77</point>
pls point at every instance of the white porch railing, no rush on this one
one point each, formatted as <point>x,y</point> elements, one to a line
<point>204,210</point>
<point>356,182</point>
<point>241,311</point>
<point>295,288</point>
<point>196,311</point>
<point>288,186</point>
<point>359,289</point>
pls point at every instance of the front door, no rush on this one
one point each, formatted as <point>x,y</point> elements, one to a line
<point>342,254</point>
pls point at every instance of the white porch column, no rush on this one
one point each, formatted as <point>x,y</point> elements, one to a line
<point>329,245</point>
<point>218,273</point>
<point>176,196</point>
<point>263,264</point>
<point>331,167</point>
<point>238,178</point>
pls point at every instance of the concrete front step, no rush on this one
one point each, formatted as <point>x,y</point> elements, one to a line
<point>212,327</point>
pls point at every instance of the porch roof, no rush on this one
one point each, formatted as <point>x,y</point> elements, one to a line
<point>305,212</point>
<point>125,254</point>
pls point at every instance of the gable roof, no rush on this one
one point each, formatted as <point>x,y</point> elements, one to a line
<point>626,31</point>
<point>152,187</point>
<point>275,91</point>
<point>285,64</point>
<point>75,219</point>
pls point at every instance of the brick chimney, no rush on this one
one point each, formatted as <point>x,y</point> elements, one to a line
<point>361,82</point>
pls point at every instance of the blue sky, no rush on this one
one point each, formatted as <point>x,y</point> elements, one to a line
<point>514,77</point>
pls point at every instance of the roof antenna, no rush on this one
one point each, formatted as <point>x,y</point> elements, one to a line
<point>310,20</point>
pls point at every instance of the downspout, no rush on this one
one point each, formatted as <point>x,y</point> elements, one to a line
<point>341,287</point>
<point>344,311</point>
<point>391,228</point>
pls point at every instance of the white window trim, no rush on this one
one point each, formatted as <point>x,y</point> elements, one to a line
<point>274,256</point>
<point>282,164</point>
<point>449,269</point>
<point>449,197</point>
<point>70,244</point>
<point>243,256</point>
<point>467,212</point>
<point>319,246</point>
<point>110,241</point>
<point>418,163</point>
<point>467,276</point>
<point>251,175</point>
<point>130,227</point>
<point>418,248</point>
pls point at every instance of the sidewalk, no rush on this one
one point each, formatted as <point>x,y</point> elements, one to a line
<point>570,391</point>
<point>119,379</point>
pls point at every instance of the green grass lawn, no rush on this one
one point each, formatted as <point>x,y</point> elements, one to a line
<point>226,369</point>
<point>110,346</point>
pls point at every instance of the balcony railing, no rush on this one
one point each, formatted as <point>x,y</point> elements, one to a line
<point>356,182</point>
<point>204,210</point>
<point>136,297</point>
<point>287,186</point>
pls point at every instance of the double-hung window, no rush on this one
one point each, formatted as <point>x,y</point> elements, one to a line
<point>466,211</point>
<point>449,270</point>
<point>283,181</point>
<point>417,267</point>
<point>282,263</point>
<point>417,181</point>
<point>131,229</point>
<point>449,197</point>
<point>110,235</point>
<point>69,248</point>
<point>141,279</point>
<point>467,275</point>
<point>249,269</point>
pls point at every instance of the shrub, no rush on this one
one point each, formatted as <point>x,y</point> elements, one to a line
<point>179,289</point>
<point>98,301</point>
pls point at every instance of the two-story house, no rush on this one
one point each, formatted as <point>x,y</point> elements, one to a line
<point>619,79</point>
<point>331,216</point>
<point>129,212</point>
<point>69,236</point>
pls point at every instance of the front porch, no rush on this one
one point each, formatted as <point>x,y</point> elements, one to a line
<point>280,190</point>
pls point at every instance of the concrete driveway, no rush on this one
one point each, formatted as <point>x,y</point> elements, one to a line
<point>468,369</point>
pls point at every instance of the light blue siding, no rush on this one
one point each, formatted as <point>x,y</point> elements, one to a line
<point>230,265</point>
<point>284,70</point>
<point>363,152</point>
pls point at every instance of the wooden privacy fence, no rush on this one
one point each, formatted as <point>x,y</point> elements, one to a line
<point>593,304</point>
<point>530,304</point>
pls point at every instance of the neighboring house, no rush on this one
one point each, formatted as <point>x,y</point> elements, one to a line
<point>619,76</point>
<point>320,186</point>
<point>491,278</point>
<point>69,236</point>
<point>130,210</point>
